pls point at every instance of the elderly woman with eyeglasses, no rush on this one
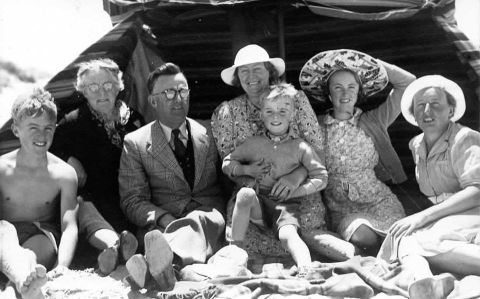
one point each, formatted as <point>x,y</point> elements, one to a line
<point>90,138</point>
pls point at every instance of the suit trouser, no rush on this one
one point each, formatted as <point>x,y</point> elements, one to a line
<point>197,236</point>
<point>90,220</point>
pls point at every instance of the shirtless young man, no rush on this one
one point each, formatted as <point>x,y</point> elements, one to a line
<point>37,199</point>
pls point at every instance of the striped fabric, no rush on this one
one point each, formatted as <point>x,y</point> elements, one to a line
<point>390,9</point>
<point>467,52</point>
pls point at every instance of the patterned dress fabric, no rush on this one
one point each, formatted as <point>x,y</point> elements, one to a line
<point>236,120</point>
<point>354,195</point>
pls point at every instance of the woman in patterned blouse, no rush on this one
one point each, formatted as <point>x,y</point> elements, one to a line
<point>358,153</point>
<point>235,120</point>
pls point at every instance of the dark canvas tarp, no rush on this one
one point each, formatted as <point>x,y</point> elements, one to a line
<point>203,40</point>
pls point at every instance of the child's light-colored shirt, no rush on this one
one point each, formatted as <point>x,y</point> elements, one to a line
<point>283,158</point>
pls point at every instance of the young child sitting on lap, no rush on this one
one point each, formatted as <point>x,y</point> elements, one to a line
<point>259,164</point>
<point>37,200</point>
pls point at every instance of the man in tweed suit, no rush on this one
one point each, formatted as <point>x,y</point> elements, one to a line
<point>169,184</point>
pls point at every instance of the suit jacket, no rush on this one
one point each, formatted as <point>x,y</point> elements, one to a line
<point>152,182</point>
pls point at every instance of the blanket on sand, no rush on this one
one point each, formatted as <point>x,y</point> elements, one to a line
<point>361,277</point>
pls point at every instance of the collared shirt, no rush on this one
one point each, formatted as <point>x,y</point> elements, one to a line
<point>330,119</point>
<point>168,133</point>
<point>452,164</point>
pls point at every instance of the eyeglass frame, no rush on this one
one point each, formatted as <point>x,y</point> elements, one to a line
<point>177,92</point>
<point>109,89</point>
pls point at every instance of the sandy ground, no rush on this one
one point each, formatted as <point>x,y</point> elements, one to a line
<point>87,283</point>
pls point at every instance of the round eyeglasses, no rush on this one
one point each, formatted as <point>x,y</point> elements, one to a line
<point>171,94</point>
<point>94,87</point>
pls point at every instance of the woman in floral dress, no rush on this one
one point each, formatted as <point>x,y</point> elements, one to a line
<point>358,151</point>
<point>235,120</point>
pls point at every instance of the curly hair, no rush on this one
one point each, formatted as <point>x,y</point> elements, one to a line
<point>281,90</point>
<point>106,64</point>
<point>33,104</point>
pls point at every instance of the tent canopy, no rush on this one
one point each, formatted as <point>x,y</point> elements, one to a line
<point>203,37</point>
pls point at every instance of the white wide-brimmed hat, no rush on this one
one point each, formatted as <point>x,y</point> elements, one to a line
<point>251,54</point>
<point>432,81</point>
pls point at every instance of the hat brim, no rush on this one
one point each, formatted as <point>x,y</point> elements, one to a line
<point>228,73</point>
<point>316,71</point>
<point>432,81</point>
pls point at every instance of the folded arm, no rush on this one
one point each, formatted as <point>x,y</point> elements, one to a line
<point>465,157</point>
<point>317,177</point>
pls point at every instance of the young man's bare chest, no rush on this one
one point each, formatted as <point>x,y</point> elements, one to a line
<point>28,194</point>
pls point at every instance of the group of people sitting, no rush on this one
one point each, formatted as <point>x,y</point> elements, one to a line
<point>152,195</point>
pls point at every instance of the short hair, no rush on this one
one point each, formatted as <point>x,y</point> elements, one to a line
<point>34,104</point>
<point>166,69</point>
<point>358,79</point>
<point>273,76</point>
<point>450,99</point>
<point>105,64</point>
<point>281,90</point>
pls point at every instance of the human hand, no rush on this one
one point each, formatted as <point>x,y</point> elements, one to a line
<point>56,272</point>
<point>81,174</point>
<point>407,225</point>
<point>257,169</point>
<point>283,189</point>
<point>165,220</point>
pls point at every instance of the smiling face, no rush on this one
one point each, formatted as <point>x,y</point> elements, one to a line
<point>254,78</point>
<point>101,88</point>
<point>277,113</point>
<point>431,110</point>
<point>343,89</point>
<point>171,113</point>
<point>35,132</point>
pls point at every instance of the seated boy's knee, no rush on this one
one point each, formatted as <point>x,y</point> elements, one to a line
<point>245,197</point>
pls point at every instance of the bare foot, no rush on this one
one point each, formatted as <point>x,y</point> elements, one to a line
<point>436,287</point>
<point>32,287</point>
<point>159,258</point>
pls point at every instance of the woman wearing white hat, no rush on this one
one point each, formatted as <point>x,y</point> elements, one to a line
<point>359,155</point>
<point>235,120</point>
<point>446,235</point>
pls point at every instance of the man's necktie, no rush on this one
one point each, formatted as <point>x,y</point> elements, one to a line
<point>180,148</point>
